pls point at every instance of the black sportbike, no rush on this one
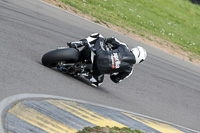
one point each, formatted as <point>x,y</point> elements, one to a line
<point>73,61</point>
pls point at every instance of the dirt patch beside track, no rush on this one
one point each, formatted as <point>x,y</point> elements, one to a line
<point>154,41</point>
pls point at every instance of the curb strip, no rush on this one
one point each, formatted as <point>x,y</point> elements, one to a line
<point>6,102</point>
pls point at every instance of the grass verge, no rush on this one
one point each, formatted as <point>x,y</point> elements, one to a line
<point>173,20</point>
<point>107,129</point>
<point>171,24</point>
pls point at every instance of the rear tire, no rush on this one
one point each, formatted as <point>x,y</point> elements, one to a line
<point>69,55</point>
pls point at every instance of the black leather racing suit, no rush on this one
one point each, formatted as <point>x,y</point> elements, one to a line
<point>118,62</point>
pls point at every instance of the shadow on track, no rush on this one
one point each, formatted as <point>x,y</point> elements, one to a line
<point>81,79</point>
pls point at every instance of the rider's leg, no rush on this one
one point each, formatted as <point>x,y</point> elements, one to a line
<point>96,83</point>
<point>97,77</point>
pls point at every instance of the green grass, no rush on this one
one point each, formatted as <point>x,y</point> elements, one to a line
<point>107,129</point>
<point>177,21</point>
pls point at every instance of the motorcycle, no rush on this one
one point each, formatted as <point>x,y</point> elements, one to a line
<point>71,60</point>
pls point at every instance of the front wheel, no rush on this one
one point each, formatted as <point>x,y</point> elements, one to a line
<point>69,55</point>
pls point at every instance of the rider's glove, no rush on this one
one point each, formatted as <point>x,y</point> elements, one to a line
<point>77,44</point>
<point>84,42</point>
<point>73,44</point>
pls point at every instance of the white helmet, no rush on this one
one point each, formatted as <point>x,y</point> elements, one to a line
<point>139,53</point>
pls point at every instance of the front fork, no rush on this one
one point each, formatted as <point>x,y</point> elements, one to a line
<point>79,68</point>
<point>65,67</point>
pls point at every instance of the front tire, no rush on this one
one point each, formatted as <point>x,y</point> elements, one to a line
<point>69,55</point>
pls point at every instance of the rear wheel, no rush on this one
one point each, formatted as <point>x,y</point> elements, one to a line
<point>68,55</point>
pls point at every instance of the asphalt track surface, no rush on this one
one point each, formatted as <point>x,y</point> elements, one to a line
<point>164,87</point>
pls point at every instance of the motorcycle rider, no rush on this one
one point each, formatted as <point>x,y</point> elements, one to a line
<point>119,62</point>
